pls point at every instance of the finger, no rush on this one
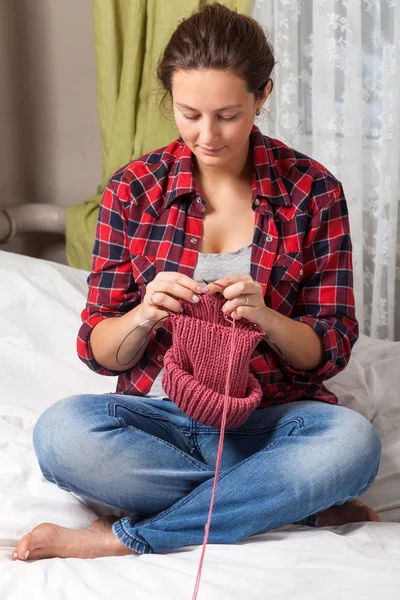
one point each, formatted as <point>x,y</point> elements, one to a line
<point>180,291</point>
<point>251,289</point>
<point>220,285</point>
<point>231,305</point>
<point>174,289</point>
<point>162,300</point>
<point>238,289</point>
<point>181,279</point>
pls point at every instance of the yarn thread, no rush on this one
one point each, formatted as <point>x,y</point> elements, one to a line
<point>219,454</point>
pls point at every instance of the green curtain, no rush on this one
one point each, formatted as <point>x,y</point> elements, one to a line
<point>129,36</point>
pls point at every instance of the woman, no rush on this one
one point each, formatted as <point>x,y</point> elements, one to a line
<point>267,227</point>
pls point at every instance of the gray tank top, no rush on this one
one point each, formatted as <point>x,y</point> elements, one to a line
<point>211,267</point>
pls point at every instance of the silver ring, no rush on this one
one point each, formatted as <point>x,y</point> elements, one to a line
<point>247,300</point>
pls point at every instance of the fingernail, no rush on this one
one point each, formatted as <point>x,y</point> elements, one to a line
<point>15,555</point>
<point>201,289</point>
<point>26,554</point>
<point>195,298</point>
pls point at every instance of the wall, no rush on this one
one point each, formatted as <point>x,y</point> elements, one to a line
<point>50,148</point>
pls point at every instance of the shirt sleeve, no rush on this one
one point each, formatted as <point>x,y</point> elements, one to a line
<point>112,290</point>
<point>325,300</point>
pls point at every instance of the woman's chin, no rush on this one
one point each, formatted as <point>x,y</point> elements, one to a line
<point>211,160</point>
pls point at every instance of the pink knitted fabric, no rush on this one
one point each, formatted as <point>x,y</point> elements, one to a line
<point>197,362</point>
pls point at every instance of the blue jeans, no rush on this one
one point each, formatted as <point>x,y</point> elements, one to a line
<point>143,455</point>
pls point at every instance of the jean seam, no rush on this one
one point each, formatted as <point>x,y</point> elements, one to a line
<point>151,415</point>
<point>186,456</point>
<point>143,413</point>
<point>197,448</point>
<point>140,541</point>
<point>249,431</point>
<point>49,478</point>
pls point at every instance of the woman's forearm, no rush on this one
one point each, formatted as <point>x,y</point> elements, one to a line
<point>298,342</point>
<point>107,336</point>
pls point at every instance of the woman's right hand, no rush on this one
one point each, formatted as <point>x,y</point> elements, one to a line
<point>165,292</point>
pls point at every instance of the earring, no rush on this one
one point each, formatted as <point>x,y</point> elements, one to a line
<point>258,112</point>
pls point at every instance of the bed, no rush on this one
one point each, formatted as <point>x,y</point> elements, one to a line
<point>40,305</point>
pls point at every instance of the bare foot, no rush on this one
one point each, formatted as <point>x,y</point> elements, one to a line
<point>352,511</point>
<point>48,540</point>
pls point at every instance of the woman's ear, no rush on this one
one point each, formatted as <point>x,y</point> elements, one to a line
<point>267,90</point>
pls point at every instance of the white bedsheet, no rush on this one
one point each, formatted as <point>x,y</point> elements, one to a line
<point>40,304</point>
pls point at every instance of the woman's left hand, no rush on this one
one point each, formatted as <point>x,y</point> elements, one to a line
<point>236,288</point>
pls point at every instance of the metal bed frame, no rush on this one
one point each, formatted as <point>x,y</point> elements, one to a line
<point>27,218</point>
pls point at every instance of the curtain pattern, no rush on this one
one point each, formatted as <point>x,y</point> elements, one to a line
<point>337,98</point>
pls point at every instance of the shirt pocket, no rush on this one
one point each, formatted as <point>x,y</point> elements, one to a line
<point>287,268</point>
<point>284,283</point>
<point>144,270</point>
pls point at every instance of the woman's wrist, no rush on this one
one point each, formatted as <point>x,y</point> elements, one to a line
<point>268,321</point>
<point>297,343</point>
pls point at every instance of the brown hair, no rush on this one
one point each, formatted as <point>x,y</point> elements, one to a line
<point>221,39</point>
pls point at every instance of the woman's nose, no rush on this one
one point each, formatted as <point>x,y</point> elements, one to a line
<point>209,134</point>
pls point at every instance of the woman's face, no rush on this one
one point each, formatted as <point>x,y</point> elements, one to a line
<point>214,111</point>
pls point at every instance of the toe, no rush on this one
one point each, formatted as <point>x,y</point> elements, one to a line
<point>368,511</point>
<point>22,550</point>
<point>372,515</point>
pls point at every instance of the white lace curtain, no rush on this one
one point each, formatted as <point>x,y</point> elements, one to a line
<point>336,98</point>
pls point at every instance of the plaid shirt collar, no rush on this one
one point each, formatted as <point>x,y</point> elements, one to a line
<point>267,180</point>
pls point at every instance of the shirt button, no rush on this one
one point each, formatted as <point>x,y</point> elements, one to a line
<point>269,238</point>
<point>198,199</point>
<point>256,202</point>
<point>301,271</point>
<point>193,241</point>
<point>160,357</point>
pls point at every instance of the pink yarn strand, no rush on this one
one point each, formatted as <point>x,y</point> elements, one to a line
<point>219,454</point>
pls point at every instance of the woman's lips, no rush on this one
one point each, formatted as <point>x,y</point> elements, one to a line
<point>212,151</point>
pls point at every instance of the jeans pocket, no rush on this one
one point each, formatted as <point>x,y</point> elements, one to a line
<point>149,421</point>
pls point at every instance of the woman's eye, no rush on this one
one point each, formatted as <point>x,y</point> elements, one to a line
<point>222,118</point>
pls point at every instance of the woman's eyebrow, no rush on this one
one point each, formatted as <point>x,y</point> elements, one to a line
<point>218,109</point>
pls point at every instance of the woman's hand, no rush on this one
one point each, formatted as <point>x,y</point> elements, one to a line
<point>165,292</point>
<point>236,288</point>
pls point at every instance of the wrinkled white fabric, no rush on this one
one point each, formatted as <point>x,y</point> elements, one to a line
<point>40,304</point>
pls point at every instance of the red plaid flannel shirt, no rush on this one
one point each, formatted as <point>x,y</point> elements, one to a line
<point>151,219</point>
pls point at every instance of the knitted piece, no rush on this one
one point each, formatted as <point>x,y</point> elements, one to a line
<point>196,365</point>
